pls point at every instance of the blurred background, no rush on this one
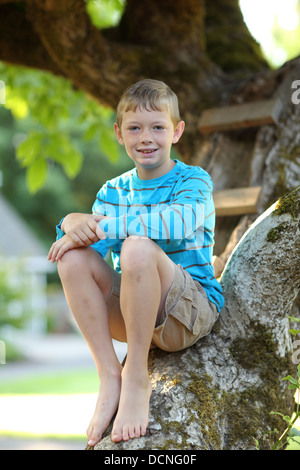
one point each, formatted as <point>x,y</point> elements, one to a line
<point>48,382</point>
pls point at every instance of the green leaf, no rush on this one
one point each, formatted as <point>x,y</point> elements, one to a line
<point>293,382</point>
<point>60,149</point>
<point>284,417</point>
<point>72,162</point>
<point>109,145</point>
<point>36,175</point>
<point>105,13</point>
<point>294,319</point>
<point>276,413</point>
<point>92,130</point>
<point>30,148</point>
<point>294,332</point>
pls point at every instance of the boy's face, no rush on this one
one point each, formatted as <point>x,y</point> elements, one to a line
<point>148,137</point>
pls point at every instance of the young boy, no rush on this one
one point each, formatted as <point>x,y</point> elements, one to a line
<point>158,220</point>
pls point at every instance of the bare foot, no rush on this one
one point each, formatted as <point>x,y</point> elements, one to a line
<point>107,404</point>
<point>133,413</point>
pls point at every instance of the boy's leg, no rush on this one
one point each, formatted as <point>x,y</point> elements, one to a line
<point>87,282</point>
<point>147,275</point>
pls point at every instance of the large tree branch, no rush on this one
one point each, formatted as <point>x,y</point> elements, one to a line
<point>19,43</point>
<point>165,22</point>
<point>2,2</point>
<point>93,63</point>
<point>155,38</point>
<point>228,40</point>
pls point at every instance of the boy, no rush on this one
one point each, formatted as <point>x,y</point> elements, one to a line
<point>158,221</point>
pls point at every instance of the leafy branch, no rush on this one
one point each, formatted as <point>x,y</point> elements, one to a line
<point>288,434</point>
<point>58,116</point>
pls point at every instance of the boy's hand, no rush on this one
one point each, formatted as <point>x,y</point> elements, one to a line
<point>80,230</point>
<point>83,229</point>
<point>60,247</point>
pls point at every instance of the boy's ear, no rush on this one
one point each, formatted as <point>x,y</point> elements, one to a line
<point>118,133</point>
<point>178,131</point>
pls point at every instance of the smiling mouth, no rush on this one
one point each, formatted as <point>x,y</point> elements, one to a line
<point>147,151</point>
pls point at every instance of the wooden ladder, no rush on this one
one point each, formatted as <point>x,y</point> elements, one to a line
<point>237,201</point>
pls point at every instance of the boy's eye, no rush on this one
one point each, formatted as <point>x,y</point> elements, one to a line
<point>158,128</point>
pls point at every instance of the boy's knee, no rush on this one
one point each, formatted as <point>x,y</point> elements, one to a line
<point>137,253</point>
<point>70,262</point>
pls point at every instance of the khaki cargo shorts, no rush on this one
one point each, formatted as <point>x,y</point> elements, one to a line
<point>187,316</point>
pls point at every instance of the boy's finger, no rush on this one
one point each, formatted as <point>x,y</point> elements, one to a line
<point>89,234</point>
<point>100,234</point>
<point>51,256</point>
<point>61,252</point>
<point>97,217</point>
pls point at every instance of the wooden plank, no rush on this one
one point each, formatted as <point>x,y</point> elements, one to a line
<point>240,116</point>
<point>237,201</point>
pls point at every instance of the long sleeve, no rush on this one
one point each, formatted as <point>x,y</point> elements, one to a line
<point>167,222</point>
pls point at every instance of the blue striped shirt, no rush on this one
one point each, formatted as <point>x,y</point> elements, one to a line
<point>175,210</point>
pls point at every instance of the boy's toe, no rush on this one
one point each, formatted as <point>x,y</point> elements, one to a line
<point>116,435</point>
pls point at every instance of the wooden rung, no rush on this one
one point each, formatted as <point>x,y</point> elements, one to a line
<point>237,201</point>
<point>238,116</point>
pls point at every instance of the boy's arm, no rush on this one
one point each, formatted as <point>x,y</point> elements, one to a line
<point>83,229</point>
<point>76,230</point>
<point>174,222</point>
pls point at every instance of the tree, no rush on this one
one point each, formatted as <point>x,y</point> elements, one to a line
<point>220,393</point>
<point>205,52</point>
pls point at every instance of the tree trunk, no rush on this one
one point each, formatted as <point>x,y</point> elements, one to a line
<point>219,393</point>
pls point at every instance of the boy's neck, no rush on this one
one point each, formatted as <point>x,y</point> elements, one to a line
<point>153,173</point>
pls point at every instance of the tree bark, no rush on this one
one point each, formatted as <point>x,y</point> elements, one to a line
<point>266,156</point>
<point>218,394</point>
<point>171,41</point>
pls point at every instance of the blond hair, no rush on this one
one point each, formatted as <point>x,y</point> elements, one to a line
<point>149,94</point>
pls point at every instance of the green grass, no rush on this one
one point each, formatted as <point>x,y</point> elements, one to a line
<point>78,381</point>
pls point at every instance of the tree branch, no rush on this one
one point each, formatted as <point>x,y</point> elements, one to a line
<point>93,63</point>
<point>223,36</point>
<point>181,23</point>
<point>19,43</point>
<point>2,2</point>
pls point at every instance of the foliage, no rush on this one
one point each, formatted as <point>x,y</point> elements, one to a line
<point>59,194</point>
<point>58,114</point>
<point>105,13</point>
<point>294,383</point>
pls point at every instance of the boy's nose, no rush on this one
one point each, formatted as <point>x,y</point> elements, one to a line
<point>146,137</point>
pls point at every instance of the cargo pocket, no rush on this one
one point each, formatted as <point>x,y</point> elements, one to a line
<point>193,309</point>
<point>207,313</point>
<point>185,310</point>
